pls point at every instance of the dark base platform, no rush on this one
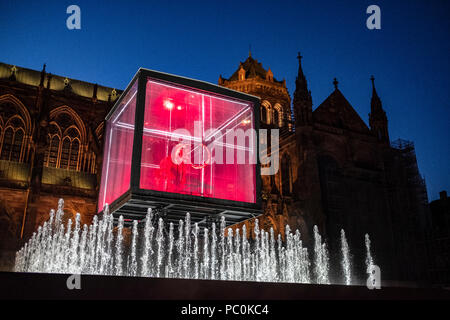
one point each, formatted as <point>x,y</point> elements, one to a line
<point>53,286</point>
<point>173,207</point>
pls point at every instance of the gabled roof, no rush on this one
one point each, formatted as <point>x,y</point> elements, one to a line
<point>252,68</point>
<point>337,112</point>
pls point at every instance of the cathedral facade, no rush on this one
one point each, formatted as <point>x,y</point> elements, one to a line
<point>335,172</point>
<point>338,173</point>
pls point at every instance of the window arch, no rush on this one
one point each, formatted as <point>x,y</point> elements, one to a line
<point>70,149</point>
<point>17,144</point>
<point>15,128</point>
<point>278,115</point>
<point>263,114</point>
<point>66,116</point>
<point>8,136</point>
<point>53,142</point>
<point>265,111</point>
<point>65,138</point>
<point>99,131</point>
<point>286,173</point>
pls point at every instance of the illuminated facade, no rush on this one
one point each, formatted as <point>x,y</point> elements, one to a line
<point>275,113</point>
<point>51,129</point>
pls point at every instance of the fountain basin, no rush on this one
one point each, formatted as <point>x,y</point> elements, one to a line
<point>16,285</point>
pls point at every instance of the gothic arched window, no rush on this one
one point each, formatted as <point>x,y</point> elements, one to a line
<point>70,150</point>
<point>64,140</point>
<point>15,127</point>
<point>276,117</point>
<point>17,144</point>
<point>53,141</point>
<point>265,112</point>
<point>8,135</point>
<point>12,138</point>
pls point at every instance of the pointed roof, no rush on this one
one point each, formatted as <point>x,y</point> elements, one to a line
<point>374,92</point>
<point>377,116</point>
<point>302,103</point>
<point>301,86</point>
<point>300,82</point>
<point>252,68</point>
<point>337,112</point>
<point>375,103</point>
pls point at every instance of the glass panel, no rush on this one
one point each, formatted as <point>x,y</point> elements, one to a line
<point>118,148</point>
<point>185,139</point>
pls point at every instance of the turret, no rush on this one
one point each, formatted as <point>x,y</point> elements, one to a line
<point>302,98</point>
<point>377,116</point>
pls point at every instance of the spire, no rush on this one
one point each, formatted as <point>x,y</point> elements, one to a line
<point>300,82</point>
<point>335,83</point>
<point>377,116</point>
<point>94,94</point>
<point>250,50</point>
<point>41,84</point>
<point>375,104</point>
<point>241,72</point>
<point>302,97</point>
<point>299,57</point>
<point>374,91</point>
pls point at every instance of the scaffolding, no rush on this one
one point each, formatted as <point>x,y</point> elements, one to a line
<point>415,180</point>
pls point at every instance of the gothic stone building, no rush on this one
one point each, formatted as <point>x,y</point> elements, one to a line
<point>338,173</point>
<point>50,147</point>
<point>335,171</point>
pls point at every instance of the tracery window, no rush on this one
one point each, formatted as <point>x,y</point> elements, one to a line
<point>14,127</point>
<point>70,150</point>
<point>53,141</point>
<point>64,140</point>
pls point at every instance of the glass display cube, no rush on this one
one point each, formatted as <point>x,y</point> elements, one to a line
<point>181,145</point>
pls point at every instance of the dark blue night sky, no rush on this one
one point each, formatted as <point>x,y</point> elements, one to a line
<point>409,56</point>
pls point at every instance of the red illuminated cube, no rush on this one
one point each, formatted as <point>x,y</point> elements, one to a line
<point>181,145</point>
